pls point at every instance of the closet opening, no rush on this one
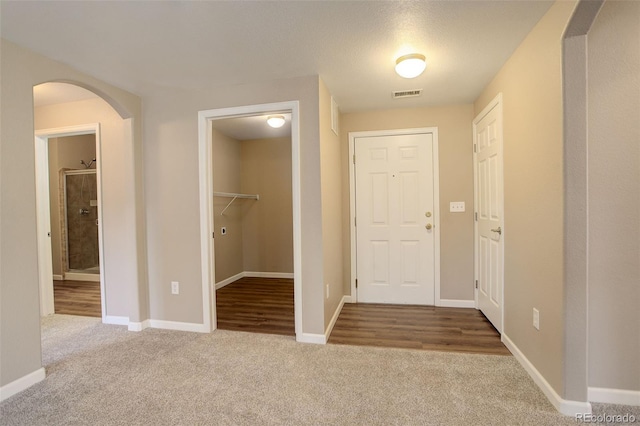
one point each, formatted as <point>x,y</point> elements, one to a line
<point>250,216</point>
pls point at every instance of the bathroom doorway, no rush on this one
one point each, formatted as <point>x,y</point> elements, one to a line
<point>69,213</point>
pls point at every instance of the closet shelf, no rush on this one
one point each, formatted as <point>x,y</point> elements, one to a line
<point>234,196</point>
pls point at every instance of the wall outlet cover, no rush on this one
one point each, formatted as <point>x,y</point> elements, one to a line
<point>456,207</point>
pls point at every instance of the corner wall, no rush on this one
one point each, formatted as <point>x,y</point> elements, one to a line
<point>332,210</point>
<point>613,92</point>
<point>21,69</point>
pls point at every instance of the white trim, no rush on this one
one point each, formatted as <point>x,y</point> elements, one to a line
<point>334,318</point>
<point>81,276</point>
<point>251,274</point>
<point>43,214</point>
<point>57,277</point>
<point>24,382</point>
<point>436,202</point>
<point>138,326</point>
<point>566,407</point>
<point>614,396</point>
<point>495,102</point>
<point>348,299</point>
<point>229,280</point>
<point>205,178</point>
<point>180,326</point>
<point>115,320</point>
<point>318,339</point>
<point>456,303</point>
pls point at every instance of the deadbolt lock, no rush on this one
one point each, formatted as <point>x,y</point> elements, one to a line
<point>428,214</point>
<point>429,226</point>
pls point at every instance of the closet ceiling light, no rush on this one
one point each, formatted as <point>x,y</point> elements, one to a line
<point>410,66</point>
<point>275,121</point>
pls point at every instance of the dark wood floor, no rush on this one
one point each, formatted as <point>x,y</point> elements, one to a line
<point>259,305</point>
<point>265,305</point>
<point>417,327</point>
<point>77,298</point>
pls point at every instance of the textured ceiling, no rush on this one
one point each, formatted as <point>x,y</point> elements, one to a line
<point>139,46</point>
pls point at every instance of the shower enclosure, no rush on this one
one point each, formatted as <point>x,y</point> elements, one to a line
<point>80,231</point>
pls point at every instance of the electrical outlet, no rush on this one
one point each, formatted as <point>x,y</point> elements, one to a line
<point>327,291</point>
<point>223,230</point>
<point>175,287</point>
<point>536,319</point>
<point>456,207</point>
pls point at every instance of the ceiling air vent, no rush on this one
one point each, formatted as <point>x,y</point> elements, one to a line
<point>407,93</point>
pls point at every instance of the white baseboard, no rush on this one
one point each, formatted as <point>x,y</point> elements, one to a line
<point>347,299</point>
<point>566,407</point>
<point>253,274</point>
<point>614,396</point>
<point>78,276</point>
<point>334,318</point>
<point>318,339</point>
<point>455,303</point>
<point>229,280</point>
<point>175,325</point>
<point>24,382</point>
<point>111,319</point>
<point>58,277</point>
<point>138,326</point>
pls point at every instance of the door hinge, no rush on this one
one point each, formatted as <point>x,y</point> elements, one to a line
<point>476,283</point>
<point>213,235</point>
<point>354,159</point>
<point>356,283</point>
<point>475,148</point>
<point>476,215</point>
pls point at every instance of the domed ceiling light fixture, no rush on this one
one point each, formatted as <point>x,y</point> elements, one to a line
<point>410,66</point>
<point>275,121</point>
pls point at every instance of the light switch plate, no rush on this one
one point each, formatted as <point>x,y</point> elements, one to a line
<point>456,206</point>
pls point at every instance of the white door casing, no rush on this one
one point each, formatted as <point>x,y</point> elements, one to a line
<point>489,225</point>
<point>395,202</point>
<point>45,264</point>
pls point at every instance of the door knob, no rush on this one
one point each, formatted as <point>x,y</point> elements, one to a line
<point>428,214</point>
<point>429,226</point>
<point>498,230</point>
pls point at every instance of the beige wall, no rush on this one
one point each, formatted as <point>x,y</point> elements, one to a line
<point>456,184</point>
<point>65,153</point>
<point>267,224</point>
<point>613,91</point>
<point>172,193</point>
<point>226,178</point>
<point>332,208</point>
<point>21,69</point>
<point>531,84</point>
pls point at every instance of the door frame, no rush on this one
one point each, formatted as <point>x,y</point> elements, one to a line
<point>43,213</point>
<point>436,202</point>
<point>205,164</point>
<point>494,103</point>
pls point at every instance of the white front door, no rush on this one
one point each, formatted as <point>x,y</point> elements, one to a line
<point>394,202</point>
<point>489,210</point>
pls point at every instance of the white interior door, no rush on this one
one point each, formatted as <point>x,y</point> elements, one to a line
<point>395,244</point>
<point>489,211</point>
<point>43,226</point>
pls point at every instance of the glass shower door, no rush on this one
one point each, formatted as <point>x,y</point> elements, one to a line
<point>82,221</point>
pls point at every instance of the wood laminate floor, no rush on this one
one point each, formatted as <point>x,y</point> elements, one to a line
<point>417,327</point>
<point>258,305</point>
<point>77,298</point>
<point>265,305</point>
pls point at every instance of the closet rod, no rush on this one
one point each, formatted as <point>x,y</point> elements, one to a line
<point>233,197</point>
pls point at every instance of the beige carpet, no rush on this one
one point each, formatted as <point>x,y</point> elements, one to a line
<point>105,375</point>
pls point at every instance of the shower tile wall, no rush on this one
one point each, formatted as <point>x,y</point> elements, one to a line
<point>82,227</point>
